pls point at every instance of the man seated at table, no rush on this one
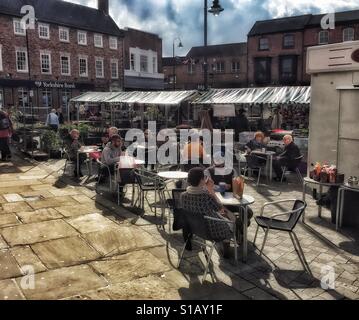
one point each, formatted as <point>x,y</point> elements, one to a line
<point>72,146</point>
<point>288,158</point>
<point>257,143</point>
<point>112,152</point>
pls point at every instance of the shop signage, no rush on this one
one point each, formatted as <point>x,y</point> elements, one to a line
<point>55,85</point>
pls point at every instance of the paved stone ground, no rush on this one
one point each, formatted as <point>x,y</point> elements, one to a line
<point>82,246</point>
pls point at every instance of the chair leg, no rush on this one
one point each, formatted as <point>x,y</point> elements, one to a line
<point>256,235</point>
<point>259,176</point>
<point>300,177</point>
<point>209,259</point>
<point>300,252</point>
<point>264,241</point>
<point>283,174</point>
<point>182,253</point>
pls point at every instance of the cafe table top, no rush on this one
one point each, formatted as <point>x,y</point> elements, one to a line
<point>173,175</point>
<point>229,200</point>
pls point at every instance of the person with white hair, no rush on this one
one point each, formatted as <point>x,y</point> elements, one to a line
<point>287,158</point>
<point>53,121</point>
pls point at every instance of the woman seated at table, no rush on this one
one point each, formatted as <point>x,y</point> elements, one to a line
<point>257,143</point>
<point>200,199</point>
<point>72,146</point>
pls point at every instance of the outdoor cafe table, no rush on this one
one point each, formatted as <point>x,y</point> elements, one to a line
<point>229,200</point>
<point>321,185</point>
<point>86,150</point>
<point>173,175</point>
<point>269,155</point>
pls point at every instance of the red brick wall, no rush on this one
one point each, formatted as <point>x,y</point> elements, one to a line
<point>10,41</point>
<point>143,40</point>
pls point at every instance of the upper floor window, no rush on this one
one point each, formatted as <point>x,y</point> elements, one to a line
<point>82,38</point>
<point>323,37</point>
<point>263,44</point>
<point>44,31</point>
<point>190,68</point>
<point>288,41</point>
<point>114,69</point>
<point>64,34</point>
<point>99,66</point>
<point>65,64</point>
<point>45,60</point>
<point>348,34</point>
<point>236,66</point>
<point>113,43</point>
<point>262,70</point>
<point>288,66</point>
<point>219,67</point>
<point>1,66</point>
<point>19,27</point>
<point>83,66</point>
<point>132,62</point>
<point>154,64</point>
<point>143,63</point>
<point>21,60</point>
<point>98,40</point>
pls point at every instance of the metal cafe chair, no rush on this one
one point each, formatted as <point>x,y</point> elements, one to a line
<point>150,182</point>
<point>268,223</point>
<point>72,162</point>
<point>254,163</point>
<point>104,170</point>
<point>296,164</point>
<point>174,205</point>
<point>196,231</point>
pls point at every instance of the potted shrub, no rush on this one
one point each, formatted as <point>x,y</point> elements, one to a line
<point>51,144</point>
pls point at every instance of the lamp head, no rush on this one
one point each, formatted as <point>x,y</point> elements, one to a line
<point>216,8</point>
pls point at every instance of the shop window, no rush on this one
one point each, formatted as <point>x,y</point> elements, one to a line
<point>323,37</point>
<point>65,98</point>
<point>288,41</point>
<point>47,98</point>
<point>288,69</point>
<point>44,31</point>
<point>99,66</point>
<point>23,99</point>
<point>348,34</point>
<point>262,70</point>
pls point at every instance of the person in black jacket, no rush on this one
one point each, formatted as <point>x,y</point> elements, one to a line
<point>288,158</point>
<point>240,124</point>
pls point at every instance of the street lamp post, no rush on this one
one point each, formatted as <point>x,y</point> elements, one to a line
<point>180,45</point>
<point>216,9</point>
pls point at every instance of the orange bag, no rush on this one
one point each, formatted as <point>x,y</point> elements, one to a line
<point>238,187</point>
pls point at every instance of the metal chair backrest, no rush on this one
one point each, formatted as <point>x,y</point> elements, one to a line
<point>176,196</point>
<point>298,210</point>
<point>147,178</point>
<point>195,224</point>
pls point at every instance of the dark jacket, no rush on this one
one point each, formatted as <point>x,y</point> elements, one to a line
<point>255,145</point>
<point>291,152</point>
<point>240,124</point>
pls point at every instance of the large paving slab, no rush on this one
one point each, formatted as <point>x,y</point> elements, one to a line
<point>24,256</point>
<point>8,266</point>
<point>7,220</point>
<point>130,266</point>
<point>91,223</point>
<point>52,202</point>
<point>15,207</point>
<point>122,239</point>
<point>65,252</point>
<point>39,215</point>
<point>10,291</point>
<point>37,232</point>
<point>13,197</point>
<point>78,210</point>
<point>64,283</point>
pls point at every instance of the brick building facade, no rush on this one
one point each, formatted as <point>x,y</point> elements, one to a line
<point>72,49</point>
<point>277,48</point>
<point>142,60</point>
<point>227,68</point>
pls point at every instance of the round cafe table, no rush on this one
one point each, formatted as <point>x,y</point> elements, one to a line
<point>173,175</point>
<point>86,150</point>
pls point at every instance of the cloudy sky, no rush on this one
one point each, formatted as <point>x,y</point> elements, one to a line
<point>184,18</point>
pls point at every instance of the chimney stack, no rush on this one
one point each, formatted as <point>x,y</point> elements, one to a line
<point>103,5</point>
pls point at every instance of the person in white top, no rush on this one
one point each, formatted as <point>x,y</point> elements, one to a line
<point>52,120</point>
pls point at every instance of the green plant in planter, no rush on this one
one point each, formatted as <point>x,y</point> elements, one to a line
<point>50,141</point>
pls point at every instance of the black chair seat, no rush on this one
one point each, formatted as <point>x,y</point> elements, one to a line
<point>274,224</point>
<point>151,186</point>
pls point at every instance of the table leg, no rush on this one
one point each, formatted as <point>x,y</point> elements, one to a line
<point>245,238</point>
<point>320,196</point>
<point>338,208</point>
<point>304,198</point>
<point>270,168</point>
<point>341,208</point>
<point>78,163</point>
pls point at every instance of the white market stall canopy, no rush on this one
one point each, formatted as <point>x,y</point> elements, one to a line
<point>140,97</point>
<point>256,95</point>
